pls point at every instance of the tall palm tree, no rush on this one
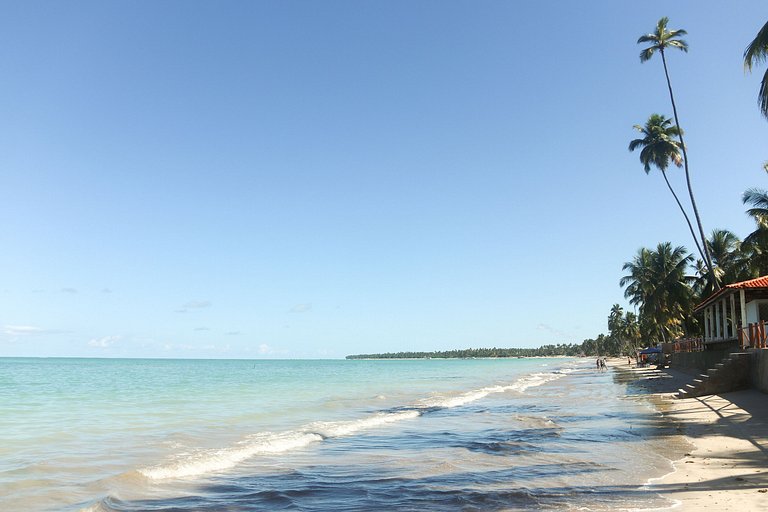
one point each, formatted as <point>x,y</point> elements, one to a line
<point>660,40</point>
<point>757,52</point>
<point>658,284</point>
<point>659,149</point>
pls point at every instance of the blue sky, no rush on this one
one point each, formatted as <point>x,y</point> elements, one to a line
<point>314,179</point>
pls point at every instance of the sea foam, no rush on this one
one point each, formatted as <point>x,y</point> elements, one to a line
<point>520,385</point>
<point>203,462</point>
<point>266,443</point>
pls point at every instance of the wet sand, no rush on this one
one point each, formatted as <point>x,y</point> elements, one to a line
<point>727,466</point>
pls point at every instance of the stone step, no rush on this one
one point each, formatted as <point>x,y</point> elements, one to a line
<point>727,375</point>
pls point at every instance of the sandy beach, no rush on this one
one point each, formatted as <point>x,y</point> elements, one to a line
<point>727,466</point>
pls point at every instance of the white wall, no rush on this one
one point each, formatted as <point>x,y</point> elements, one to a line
<point>753,314</point>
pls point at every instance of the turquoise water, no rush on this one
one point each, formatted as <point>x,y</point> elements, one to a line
<point>507,434</point>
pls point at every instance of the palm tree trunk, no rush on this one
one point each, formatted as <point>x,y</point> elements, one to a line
<point>687,219</point>
<point>707,257</point>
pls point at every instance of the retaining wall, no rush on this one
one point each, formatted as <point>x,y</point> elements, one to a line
<point>758,368</point>
<point>698,362</point>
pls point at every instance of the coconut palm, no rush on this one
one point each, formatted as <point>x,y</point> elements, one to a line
<point>614,325</point>
<point>659,148</point>
<point>756,243</point>
<point>757,52</point>
<point>758,199</point>
<point>660,40</point>
<point>625,331</point>
<point>615,318</point>
<point>731,263</point>
<point>631,331</point>
<point>657,283</point>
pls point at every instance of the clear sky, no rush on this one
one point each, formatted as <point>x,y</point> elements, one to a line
<point>314,179</point>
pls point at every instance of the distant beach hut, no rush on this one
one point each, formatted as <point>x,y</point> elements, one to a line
<point>737,313</point>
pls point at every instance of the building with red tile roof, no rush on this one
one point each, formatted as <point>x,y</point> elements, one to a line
<point>734,308</point>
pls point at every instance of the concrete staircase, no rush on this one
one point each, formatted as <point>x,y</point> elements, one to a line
<point>730,374</point>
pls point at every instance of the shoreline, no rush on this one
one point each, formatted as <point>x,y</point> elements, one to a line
<point>726,467</point>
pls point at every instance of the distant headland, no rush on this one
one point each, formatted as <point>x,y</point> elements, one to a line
<point>568,349</point>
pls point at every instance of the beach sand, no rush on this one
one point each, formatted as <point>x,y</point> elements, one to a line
<point>727,466</point>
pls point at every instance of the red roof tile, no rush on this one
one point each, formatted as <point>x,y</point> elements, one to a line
<point>758,282</point>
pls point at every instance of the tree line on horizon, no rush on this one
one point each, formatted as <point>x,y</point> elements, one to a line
<point>601,346</point>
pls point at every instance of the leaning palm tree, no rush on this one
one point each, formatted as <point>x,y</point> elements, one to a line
<point>659,149</point>
<point>660,40</point>
<point>757,52</point>
<point>657,282</point>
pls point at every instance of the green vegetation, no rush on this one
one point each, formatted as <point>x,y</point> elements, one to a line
<point>658,285</point>
<point>665,283</point>
<point>660,40</point>
<point>757,52</point>
<point>600,346</point>
<point>659,148</point>
<point>757,241</point>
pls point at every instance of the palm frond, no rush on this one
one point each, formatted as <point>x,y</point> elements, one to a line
<point>757,50</point>
<point>648,38</point>
<point>634,144</point>
<point>647,53</point>
<point>762,95</point>
<point>676,33</point>
<point>679,44</point>
<point>756,197</point>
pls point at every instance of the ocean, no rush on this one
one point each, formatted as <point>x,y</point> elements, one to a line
<point>335,435</point>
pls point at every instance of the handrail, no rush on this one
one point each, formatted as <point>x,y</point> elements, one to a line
<point>753,335</point>
<point>688,345</point>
